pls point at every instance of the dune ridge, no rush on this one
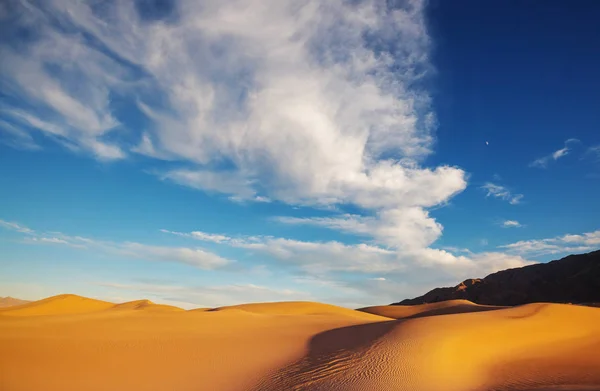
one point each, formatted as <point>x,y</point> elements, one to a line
<point>54,344</point>
<point>432,309</point>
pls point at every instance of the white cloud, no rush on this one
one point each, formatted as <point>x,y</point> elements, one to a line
<point>196,257</point>
<point>511,224</point>
<point>306,102</point>
<point>215,238</point>
<point>400,228</point>
<point>499,191</point>
<point>557,245</point>
<point>16,227</point>
<point>543,161</point>
<point>321,258</point>
<point>16,137</point>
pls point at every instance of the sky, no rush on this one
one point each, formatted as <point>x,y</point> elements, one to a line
<point>357,152</point>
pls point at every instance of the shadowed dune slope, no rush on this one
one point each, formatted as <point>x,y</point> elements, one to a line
<point>536,346</point>
<point>11,302</point>
<point>415,311</point>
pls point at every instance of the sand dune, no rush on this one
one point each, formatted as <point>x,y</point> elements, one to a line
<point>145,305</point>
<point>301,308</point>
<point>58,305</point>
<point>416,311</point>
<point>528,347</point>
<point>295,346</point>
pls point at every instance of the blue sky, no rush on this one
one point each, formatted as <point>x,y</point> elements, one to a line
<point>206,154</point>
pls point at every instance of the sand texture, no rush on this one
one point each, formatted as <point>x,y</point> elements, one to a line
<point>71,343</point>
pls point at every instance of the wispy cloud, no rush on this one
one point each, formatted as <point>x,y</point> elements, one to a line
<point>557,245</point>
<point>320,258</point>
<point>511,224</point>
<point>502,192</point>
<point>544,161</point>
<point>593,151</point>
<point>308,104</point>
<point>16,227</point>
<point>196,257</point>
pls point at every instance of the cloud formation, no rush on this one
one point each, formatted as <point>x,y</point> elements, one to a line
<point>544,161</point>
<point>501,192</point>
<point>196,257</point>
<point>306,102</point>
<point>558,245</point>
<point>511,224</point>
<point>324,258</point>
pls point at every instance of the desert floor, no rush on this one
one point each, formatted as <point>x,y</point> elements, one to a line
<point>74,343</point>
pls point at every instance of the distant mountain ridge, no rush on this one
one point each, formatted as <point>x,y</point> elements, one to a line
<point>11,302</point>
<point>573,279</point>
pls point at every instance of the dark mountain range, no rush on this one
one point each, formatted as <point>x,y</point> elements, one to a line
<point>573,279</point>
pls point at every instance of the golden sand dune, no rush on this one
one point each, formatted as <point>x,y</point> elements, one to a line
<point>298,346</point>
<point>146,305</point>
<point>58,305</point>
<point>440,308</point>
<point>536,346</point>
<point>300,308</point>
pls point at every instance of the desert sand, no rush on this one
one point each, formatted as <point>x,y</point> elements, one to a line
<point>69,342</point>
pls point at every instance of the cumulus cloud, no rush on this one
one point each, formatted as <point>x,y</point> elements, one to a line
<point>544,161</point>
<point>502,192</point>
<point>558,245</point>
<point>400,228</point>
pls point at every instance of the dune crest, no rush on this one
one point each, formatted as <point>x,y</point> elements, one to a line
<point>431,309</point>
<point>145,305</point>
<point>299,308</point>
<point>66,304</point>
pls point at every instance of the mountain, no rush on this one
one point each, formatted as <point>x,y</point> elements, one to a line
<point>11,302</point>
<point>573,279</point>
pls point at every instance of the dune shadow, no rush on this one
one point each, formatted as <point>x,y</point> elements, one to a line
<point>328,353</point>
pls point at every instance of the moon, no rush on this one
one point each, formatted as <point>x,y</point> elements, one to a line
<point>487,143</point>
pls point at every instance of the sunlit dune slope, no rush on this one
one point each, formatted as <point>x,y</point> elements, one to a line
<point>57,305</point>
<point>145,305</point>
<point>300,308</point>
<point>440,308</point>
<point>536,346</point>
